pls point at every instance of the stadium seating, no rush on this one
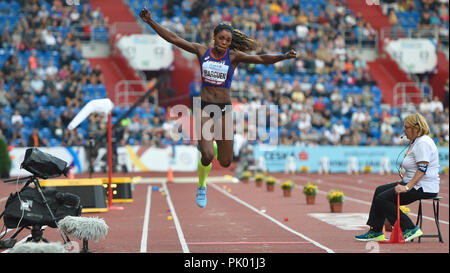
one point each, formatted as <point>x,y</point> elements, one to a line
<point>9,20</point>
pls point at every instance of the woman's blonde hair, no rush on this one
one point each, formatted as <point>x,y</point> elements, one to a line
<point>417,120</point>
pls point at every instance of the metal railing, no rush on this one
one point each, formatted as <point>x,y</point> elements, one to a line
<point>125,90</point>
<point>399,32</point>
<point>407,92</point>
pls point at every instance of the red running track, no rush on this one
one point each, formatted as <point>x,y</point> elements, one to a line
<point>241,218</point>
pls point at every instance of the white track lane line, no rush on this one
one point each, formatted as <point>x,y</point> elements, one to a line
<point>175,219</point>
<point>271,219</point>
<point>146,220</point>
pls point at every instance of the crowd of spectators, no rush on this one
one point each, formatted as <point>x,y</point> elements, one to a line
<point>431,16</point>
<point>313,92</point>
<point>43,75</point>
<point>326,96</point>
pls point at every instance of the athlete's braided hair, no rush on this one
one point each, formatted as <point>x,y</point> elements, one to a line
<point>239,41</point>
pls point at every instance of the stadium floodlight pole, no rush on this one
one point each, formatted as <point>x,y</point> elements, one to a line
<point>104,106</point>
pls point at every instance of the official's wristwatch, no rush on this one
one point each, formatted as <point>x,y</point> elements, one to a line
<point>407,188</point>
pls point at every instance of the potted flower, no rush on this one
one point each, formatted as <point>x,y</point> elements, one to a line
<point>246,176</point>
<point>259,178</point>
<point>310,191</point>
<point>287,187</point>
<point>387,225</point>
<point>270,183</point>
<point>304,169</point>
<point>367,169</point>
<point>336,199</point>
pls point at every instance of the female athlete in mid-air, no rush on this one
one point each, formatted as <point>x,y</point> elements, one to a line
<point>217,66</point>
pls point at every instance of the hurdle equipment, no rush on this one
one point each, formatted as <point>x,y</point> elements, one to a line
<point>84,228</point>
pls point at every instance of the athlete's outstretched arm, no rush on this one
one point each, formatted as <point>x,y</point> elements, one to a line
<point>263,58</point>
<point>168,35</point>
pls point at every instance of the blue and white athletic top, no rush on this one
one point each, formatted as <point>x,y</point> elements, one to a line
<point>216,72</point>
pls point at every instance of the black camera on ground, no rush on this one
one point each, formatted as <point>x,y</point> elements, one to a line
<point>43,165</point>
<point>35,207</point>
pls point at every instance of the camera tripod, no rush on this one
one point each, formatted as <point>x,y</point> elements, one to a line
<point>36,230</point>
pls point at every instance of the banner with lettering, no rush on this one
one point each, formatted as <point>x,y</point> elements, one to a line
<point>338,157</point>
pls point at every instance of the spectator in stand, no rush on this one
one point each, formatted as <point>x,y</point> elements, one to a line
<point>4,95</point>
<point>425,105</point>
<point>387,5</point>
<point>72,97</point>
<point>37,85</point>
<point>386,131</point>
<point>356,137</point>
<point>44,119</point>
<point>17,120</point>
<point>34,140</point>
<point>436,104</point>
<point>425,20</point>
<point>72,138</point>
<point>443,11</point>
<point>135,126</point>
<point>367,97</point>
<point>304,120</point>
<point>333,137</point>
<point>319,106</point>
<point>393,20</point>
<point>22,106</point>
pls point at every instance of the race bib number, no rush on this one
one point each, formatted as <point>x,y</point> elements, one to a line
<point>214,73</point>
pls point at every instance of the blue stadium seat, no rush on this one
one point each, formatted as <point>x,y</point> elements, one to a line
<point>26,132</point>
<point>14,6</point>
<point>395,111</point>
<point>356,90</point>
<point>28,122</point>
<point>346,122</point>
<point>82,132</point>
<point>89,89</point>
<point>375,132</point>
<point>76,65</point>
<point>45,132</point>
<point>100,34</point>
<point>42,100</point>
<point>100,90</point>
<point>54,142</point>
<point>131,141</point>
<point>8,110</point>
<point>4,7</point>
